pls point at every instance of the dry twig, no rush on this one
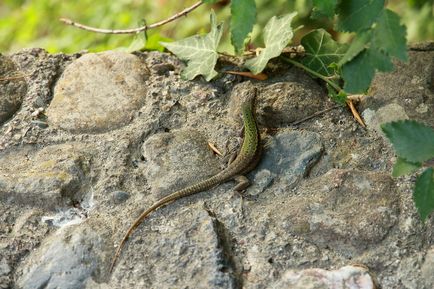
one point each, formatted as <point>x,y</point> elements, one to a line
<point>13,77</point>
<point>214,149</point>
<point>131,30</point>
<point>315,115</point>
<point>355,113</point>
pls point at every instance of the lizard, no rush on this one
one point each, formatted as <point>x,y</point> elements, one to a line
<point>245,161</point>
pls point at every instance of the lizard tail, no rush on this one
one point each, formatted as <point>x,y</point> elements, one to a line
<point>136,223</point>
<point>201,186</point>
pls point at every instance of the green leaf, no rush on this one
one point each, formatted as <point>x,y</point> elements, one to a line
<point>321,51</point>
<point>389,35</point>
<point>200,52</point>
<point>340,97</point>
<point>138,43</point>
<point>403,167</point>
<point>372,49</point>
<point>323,8</point>
<point>277,33</point>
<point>243,16</point>
<point>411,140</point>
<point>379,60</point>
<point>358,44</point>
<point>357,15</point>
<point>359,72</point>
<point>209,1</point>
<point>153,42</point>
<point>423,194</point>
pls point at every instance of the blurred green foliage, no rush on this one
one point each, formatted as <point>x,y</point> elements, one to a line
<point>34,23</point>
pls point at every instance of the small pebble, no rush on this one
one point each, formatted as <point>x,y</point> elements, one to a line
<point>41,124</point>
<point>120,196</point>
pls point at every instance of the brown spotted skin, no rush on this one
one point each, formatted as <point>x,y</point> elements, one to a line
<point>246,160</point>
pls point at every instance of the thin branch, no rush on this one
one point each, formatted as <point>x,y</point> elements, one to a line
<point>299,65</point>
<point>131,30</point>
<point>13,77</point>
<point>315,114</point>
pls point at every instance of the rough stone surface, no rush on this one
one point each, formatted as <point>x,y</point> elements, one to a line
<point>409,273</point>
<point>65,260</point>
<point>322,197</point>
<point>348,277</point>
<point>347,210</point>
<point>193,248</point>
<point>12,88</point>
<point>409,85</point>
<point>50,177</point>
<point>281,99</point>
<point>427,269</point>
<point>290,155</point>
<point>387,113</point>
<point>166,167</point>
<point>82,104</point>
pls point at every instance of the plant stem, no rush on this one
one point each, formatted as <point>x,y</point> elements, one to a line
<point>320,76</point>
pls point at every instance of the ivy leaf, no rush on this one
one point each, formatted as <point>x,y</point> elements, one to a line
<point>200,52</point>
<point>403,167</point>
<point>411,140</point>
<point>277,33</point>
<point>323,8</point>
<point>423,194</point>
<point>243,17</point>
<point>389,35</point>
<point>356,15</point>
<point>321,51</point>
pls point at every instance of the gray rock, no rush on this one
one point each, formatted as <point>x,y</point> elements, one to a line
<point>387,113</point>
<point>348,277</point>
<point>281,103</point>
<point>48,178</point>
<point>120,196</point>
<point>12,91</point>
<point>43,70</point>
<point>288,156</point>
<point>291,154</point>
<point>98,92</point>
<point>346,210</point>
<point>4,267</point>
<point>177,159</point>
<point>409,272</point>
<point>409,85</point>
<point>427,269</point>
<point>193,248</point>
<point>359,208</point>
<point>5,280</point>
<point>303,213</point>
<point>21,232</point>
<point>65,260</point>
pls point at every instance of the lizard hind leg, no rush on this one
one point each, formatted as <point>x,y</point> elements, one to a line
<point>243,183</point>
<point>240,188</point>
